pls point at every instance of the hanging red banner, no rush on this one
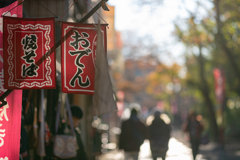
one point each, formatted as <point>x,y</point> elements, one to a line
<point>10,124</point>
<point>13,10</point>
<point>10,114</point>
<point>29,53</point>
<point>219,84</point>
<point>78,57</point>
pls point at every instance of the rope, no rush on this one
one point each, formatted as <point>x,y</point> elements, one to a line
<point>46,9</point>
<point>68,10</point>
<point>13,8</point>
<point>97,13</point>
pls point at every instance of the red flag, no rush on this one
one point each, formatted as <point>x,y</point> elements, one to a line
<point>16,12</point>
<point>10,114</point>
<point>10,124</point>
<point>29,53</point>
<point>6,11</point>
<point>78,57</point>
<point>219,85</point>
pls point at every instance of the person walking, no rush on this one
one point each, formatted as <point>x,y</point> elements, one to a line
<point>133,134</point>
<point>194,128</point>
<point>159,135</point>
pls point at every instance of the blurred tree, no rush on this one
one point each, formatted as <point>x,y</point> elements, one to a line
<point>211,41</point>
<point>160,78</point>
<point>227,23</point>
<point>134,81</point>
<point>141,81</point>
<point>210,34</point>
<point>197,40</point>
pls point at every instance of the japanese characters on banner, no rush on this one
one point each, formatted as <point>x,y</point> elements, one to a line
<point>6,11</point>
<point>78,57</point>
<point>10,125</point>
<point>10,114</point>
<point>29,53</point>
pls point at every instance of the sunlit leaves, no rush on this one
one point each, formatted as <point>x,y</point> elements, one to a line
<point>160,78</point>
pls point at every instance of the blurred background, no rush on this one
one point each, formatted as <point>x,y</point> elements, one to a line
<point>174,56</point>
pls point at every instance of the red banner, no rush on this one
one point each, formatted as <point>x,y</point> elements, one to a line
<point>219,85</point>
<point>78,57</point>
<point>10,124</point>
<point>6,11</point>
<point>29,53</point>
<point>10,114</point>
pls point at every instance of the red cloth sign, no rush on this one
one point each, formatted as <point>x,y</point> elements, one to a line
<point>10,114</point>
<point>78,57</point>
<point>10,124</point>
<point>6,11</point>
<point>29,53</point>
<point>219,85</point>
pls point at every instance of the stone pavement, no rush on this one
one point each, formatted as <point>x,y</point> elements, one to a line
<point>179,150</point>
<point>212,151</point>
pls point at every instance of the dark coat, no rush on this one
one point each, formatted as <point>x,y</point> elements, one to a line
<point>133,134</point>
<point>194,128</point>
<point>159,135</point>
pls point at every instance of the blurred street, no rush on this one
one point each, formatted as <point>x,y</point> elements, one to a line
<point>179,149</point>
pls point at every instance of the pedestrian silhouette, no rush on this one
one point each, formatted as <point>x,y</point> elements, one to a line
<point>159,135</point>
<point>132,136</point>
<point>194,129</point>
